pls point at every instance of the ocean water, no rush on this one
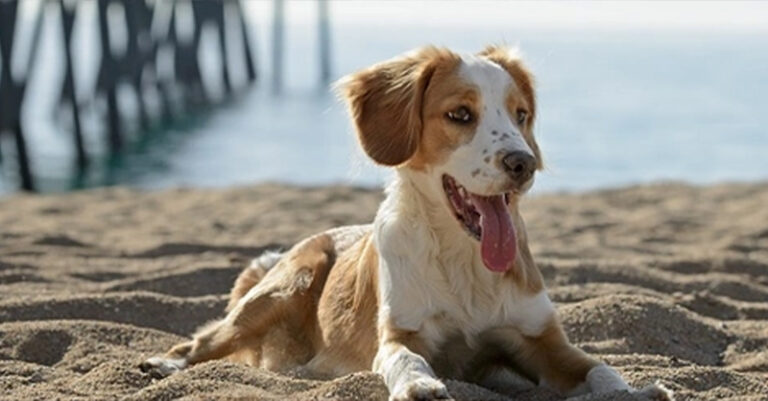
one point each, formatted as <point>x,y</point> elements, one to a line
<point>617,107</point>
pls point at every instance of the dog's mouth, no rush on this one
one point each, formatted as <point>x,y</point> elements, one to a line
<point>487,219</point>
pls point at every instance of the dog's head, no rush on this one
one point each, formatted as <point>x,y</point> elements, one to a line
<point>465,121</point>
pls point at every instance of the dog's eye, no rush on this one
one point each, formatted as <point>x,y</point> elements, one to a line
<point>462,115</point>
<point>522,115</point>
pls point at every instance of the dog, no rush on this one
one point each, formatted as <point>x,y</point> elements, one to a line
<point>442,284</point>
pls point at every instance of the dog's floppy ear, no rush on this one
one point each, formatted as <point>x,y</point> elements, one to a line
<point>510,60</point>
<point>385,102</point>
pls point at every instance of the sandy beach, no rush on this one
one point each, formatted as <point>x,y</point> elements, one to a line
<point>666,282</point>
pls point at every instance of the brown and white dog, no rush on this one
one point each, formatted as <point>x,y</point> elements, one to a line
<point>442,284</point>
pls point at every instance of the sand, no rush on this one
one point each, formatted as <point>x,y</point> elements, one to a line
<point>666,282</point>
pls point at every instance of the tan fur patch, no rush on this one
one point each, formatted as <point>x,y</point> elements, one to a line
<point>447,92</point>
<point>526,275</point>
<point>347,311</point>
<point>411,340</point>
<point>560,363</point>
<point>385,102</point>
<point>548,356</point>
<point>245,281</point>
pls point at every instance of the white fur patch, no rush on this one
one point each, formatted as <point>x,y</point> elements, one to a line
<point>407,374</point>
<point>423,388</point>
<point>266,261</point>
<point>604,379</point>
<point>531,314</point>
<point>346,236</point>
<point>403,365</point>
<point>407,284</point>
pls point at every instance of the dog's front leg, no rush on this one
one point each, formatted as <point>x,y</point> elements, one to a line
<point>549,357</point>
<point>402,361</point>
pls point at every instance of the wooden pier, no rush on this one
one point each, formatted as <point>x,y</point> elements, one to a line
<point>150,28</point>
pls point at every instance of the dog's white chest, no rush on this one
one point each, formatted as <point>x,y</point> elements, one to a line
<point>442,300</point>
<point>477,310</point>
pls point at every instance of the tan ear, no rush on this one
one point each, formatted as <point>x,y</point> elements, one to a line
<point>510,60</point>
<point>385,102</point>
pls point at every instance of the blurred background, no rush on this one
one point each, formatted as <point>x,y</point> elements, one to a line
<point>203,93</point>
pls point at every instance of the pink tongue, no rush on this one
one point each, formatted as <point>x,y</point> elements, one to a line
<point>498,242</point>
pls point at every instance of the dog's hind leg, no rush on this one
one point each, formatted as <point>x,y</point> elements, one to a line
<point>286,295</point>
<point>252,275</point>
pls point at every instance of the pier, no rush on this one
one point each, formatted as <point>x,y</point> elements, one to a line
<point>150,50</point>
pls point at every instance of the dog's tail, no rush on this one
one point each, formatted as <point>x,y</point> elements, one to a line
<point>251,275</point>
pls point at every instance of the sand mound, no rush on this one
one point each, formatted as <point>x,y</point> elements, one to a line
<point>666,282</point>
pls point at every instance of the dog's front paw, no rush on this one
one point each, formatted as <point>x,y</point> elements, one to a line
<point>420,389</point>
<point>604,379</point>
<point>159,367</point>
<point>655,392</point>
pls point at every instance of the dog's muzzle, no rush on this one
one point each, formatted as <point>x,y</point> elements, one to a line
<point>519,166</point>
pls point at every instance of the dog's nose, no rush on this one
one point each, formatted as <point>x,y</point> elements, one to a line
<point>519,165</point>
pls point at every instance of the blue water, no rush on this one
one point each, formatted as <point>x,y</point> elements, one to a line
<point>616,108</point>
